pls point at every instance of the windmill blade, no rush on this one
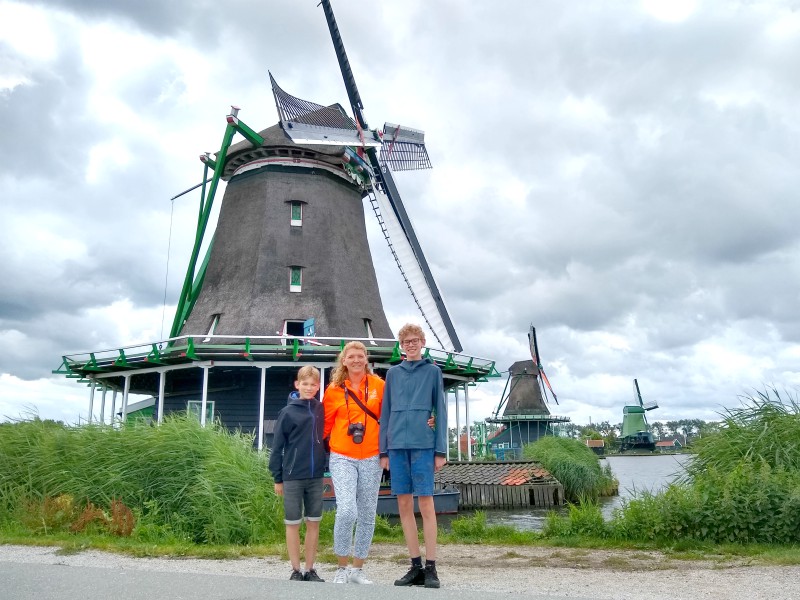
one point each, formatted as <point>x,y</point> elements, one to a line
<point>429,301</point>
<point>638,397</point>
<point>404,148</point>
<point>425,292</point>
<point>534,347</point>
<point>307,122</point>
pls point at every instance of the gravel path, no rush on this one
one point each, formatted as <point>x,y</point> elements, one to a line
<point>557,572</point>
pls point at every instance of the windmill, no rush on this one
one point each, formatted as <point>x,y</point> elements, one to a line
<point>635,430</point>
<point>287,275</point>
<point>526,416</point>
<point>316,136</point>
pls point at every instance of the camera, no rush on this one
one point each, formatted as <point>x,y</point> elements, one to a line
<point>357,431</point>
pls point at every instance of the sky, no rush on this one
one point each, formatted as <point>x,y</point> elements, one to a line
<point>622,175</point>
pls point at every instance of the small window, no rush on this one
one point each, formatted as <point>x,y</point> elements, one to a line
<point>292,329</point>
<point>297,214</point>
<point>194,407</point>
<point>295,279</point>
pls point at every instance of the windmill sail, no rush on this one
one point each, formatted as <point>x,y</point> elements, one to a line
<point>411,270</point>
<point>413,153</point>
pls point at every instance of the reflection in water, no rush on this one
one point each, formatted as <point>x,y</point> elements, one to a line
<point>635,473</point>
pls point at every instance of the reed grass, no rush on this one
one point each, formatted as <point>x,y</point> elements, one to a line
<point>574,465</point>
<point>742,487</point>
<point>182,481</point>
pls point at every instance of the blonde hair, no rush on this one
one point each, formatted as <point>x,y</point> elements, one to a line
<point>340,371</point>
<point>410,329</point>
<point>308,372</point>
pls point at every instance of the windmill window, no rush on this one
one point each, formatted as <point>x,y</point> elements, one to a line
<point>296,214</point>
<point>295,279</point>
<point>193,407</point>
<point>292,328</point>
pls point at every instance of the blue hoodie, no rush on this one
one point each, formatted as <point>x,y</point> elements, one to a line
<point>297,449</point>
<point>413,391</point>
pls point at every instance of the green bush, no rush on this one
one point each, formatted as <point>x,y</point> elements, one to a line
<point>202,484</point>
<point>574,465</point>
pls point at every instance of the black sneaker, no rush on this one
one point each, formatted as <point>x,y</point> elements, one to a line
<point>430,577</point>
<point>311,575</point>
<point>415,576</point>
<point>296,576</point>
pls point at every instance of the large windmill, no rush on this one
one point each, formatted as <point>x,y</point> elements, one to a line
<point>288,275</point>
<point>526,416</point>
<point>636,433</point>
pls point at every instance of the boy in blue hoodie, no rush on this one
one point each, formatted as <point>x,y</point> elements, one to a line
<point>412,450</point>
<point>297,464</point>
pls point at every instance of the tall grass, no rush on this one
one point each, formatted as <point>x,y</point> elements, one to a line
<point>764,430</point>
<point>742,487</point>
<point>574,465</point>
<point>203,485</point>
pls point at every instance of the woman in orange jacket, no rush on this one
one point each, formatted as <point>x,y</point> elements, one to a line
<point>352,404</point>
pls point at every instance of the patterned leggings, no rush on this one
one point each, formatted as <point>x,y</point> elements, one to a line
<point>356,483</point>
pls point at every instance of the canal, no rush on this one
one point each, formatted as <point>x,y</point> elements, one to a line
<point>635,473</point>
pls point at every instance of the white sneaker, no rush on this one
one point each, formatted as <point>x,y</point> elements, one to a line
<point>357,576</point>
<point>341,575</point>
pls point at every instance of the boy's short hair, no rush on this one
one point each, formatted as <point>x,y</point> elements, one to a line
<point>410,329</point>
<point>308,372</point>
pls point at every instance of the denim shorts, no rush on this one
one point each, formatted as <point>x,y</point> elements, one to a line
<point>411,471</point>
<point>302,496</point>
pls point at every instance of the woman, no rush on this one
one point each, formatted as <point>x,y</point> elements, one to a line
<point>352,404</point>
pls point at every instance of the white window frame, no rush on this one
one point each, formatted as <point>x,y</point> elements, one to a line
<point>285,340</point>
<point>193,407</point>
<point>295,287</point>
<point>292,221</point>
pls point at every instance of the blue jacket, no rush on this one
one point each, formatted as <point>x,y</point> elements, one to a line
<point>413,391</point>
<point>297,448</point>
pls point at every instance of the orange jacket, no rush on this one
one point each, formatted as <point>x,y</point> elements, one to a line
<point>337,411</point>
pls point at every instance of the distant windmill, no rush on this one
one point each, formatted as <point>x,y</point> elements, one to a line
<point>635,430</point>
<point>526,416</point>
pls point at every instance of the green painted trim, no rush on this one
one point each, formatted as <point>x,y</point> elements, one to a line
<point>154,356</point>
<point>493,372</point>
<point>450,364</point>
<point>121,360</point>
<point>248,133</point>
<point>296,349</point>
<point>190,353</point>
<point>396,356</point>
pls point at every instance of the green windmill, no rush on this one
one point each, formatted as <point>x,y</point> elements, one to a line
<point>635,430</point>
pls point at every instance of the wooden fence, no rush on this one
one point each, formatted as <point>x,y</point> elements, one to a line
<point>510,496</point>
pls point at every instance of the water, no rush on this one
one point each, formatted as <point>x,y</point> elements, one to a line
<point>635,474</point>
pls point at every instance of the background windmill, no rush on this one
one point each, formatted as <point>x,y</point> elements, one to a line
<point>635,430</point>
<point>526,416</point>
<point>288,275</point>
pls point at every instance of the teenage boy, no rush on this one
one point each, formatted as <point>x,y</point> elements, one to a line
<point>297,464</point>
<point>412,450</point>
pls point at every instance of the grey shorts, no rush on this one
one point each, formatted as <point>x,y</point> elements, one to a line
<point>302,496</point>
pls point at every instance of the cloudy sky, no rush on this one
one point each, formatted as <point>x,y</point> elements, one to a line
<point>622,175</point>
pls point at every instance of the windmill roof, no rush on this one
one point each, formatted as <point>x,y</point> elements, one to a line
<point>275,138</point>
